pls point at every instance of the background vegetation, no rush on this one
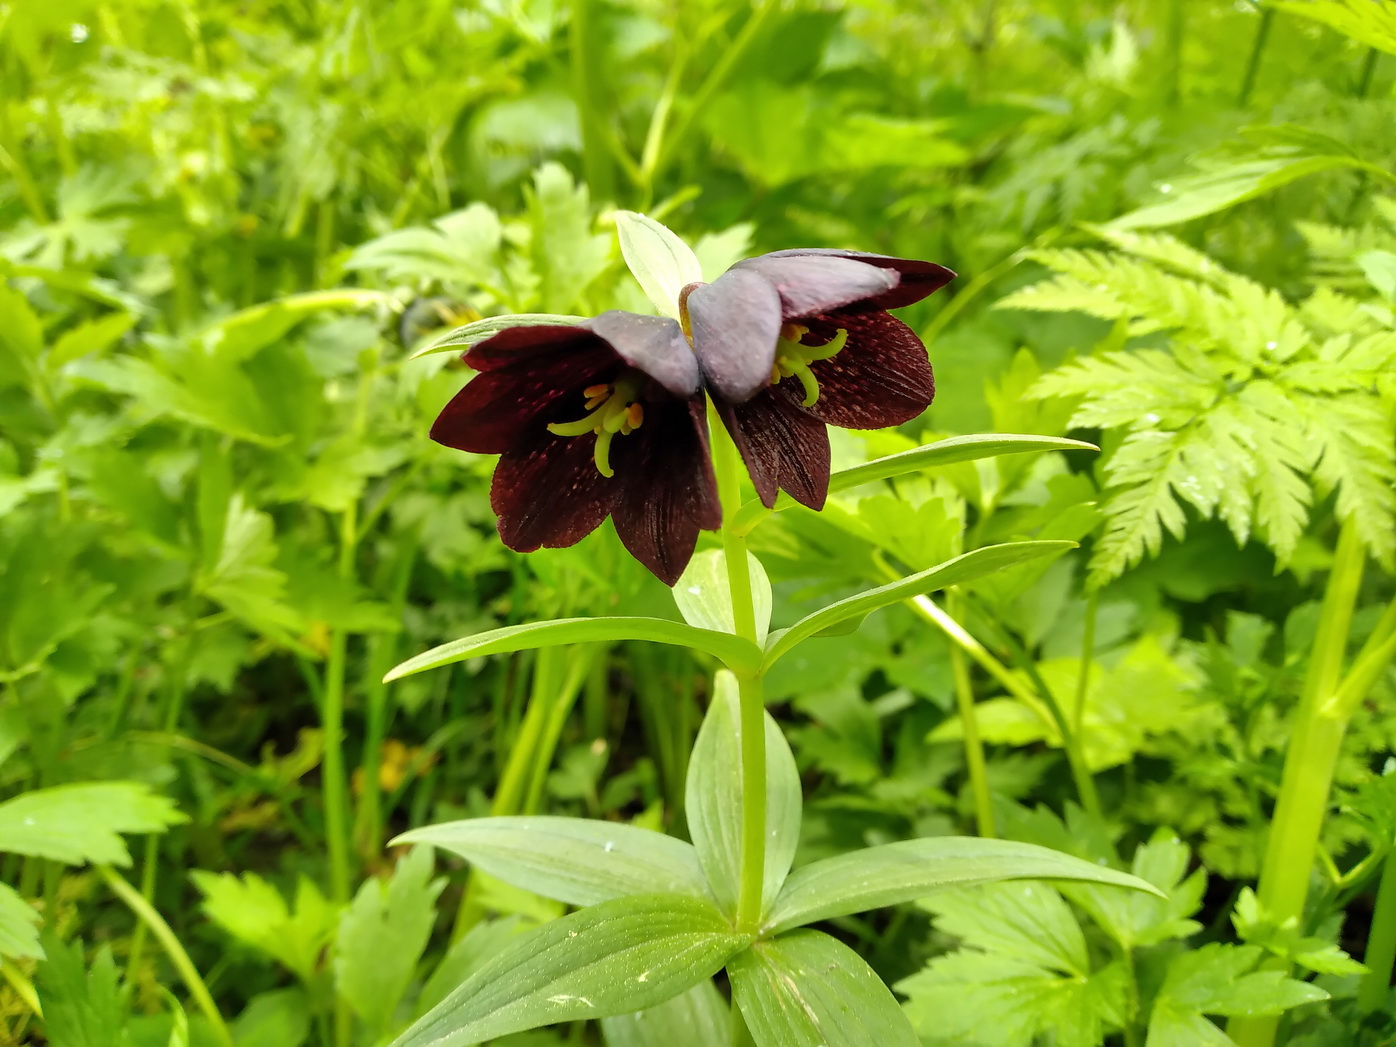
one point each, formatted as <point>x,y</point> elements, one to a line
<point>224,225</point>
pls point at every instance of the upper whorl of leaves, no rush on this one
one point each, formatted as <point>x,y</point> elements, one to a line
<point>1256,406</point>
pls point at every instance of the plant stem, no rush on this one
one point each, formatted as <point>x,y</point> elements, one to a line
<point>728,465</point>
<point>334,786</point>
<point>1381,943</point>
<point>1262,36</point>
<point>146,913</point>
<point>596,158</point>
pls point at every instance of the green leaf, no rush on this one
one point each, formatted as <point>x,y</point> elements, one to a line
<point>89,339</point>
<point>1369,23</point>
<point>21,339</point>
<point>1214,979</point>
<point>1134,920</point>
<point>253,911</point>
<point>964,568</point>
<point>82,1008</point>
<point>467,955</point>
<point>714,798</point>
<point>807,989</point>
<point>567,255</point>
<point>381,938</point>
<point>900,872</point>
<point>733,650</point>
<point>19,934</point>
<point>609,959</point>
<point>662,264</point>
<point>478,330</point>
<point>704,597</point>
<point>696,1018</point>
<point>280,1018</point>
<point>81,823</point>
<point>1380,269</point>
<point>574,860</point>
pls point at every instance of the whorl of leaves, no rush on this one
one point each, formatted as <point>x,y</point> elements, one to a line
<point>1251,410</point>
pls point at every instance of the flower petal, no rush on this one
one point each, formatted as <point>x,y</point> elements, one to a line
<point>537,345</point>
<point>918,278</point>
<point>497,407</point>
<point>669,492</point>
<point>820,283</point>
<point>784,446</point>
<point>654,344</point>
<point>735,322</point>
<point>881,377</point>
<point>548,493</point>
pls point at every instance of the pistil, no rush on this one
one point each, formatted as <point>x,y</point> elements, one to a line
<point>793,358</point>
<point>611,409</point>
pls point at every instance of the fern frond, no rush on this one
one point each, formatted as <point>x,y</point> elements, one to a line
<point>1356,441</point>
<point>1142,389</point>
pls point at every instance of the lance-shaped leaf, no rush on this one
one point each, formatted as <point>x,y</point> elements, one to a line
<point>714,797</point>
<point>613,958</point>
<point>942,452</point>
<point>697,1018</point>
<point>961,569</point>
<point>662,264</point>
<point>901,872</point>
<point>732,650</point>
<point>477,331</point>
<point>574,860</point>
<point>807,989</point>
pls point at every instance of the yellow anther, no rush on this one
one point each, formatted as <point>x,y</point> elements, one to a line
<point>601,389</point>
<point>611,409</point>
<point>634,417</point>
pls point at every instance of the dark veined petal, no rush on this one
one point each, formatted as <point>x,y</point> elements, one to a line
<point>918,278</point>
<point>820,283</point>
<point>783,445</point>
<point>881,377</point>
<point>548,493</point>
<point>654,344</point>
<point>497,407</point>
<point>735,322</point>
<point>536,346</point>
<point>669,492</point>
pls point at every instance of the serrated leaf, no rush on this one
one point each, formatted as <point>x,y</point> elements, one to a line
<point>82,823</point>
<point>609,959</point>
<point>704,596</point>
<point>573,860</point>
<point>696,1018</point>
<point>81,1007</point>
<point>892,873</point>
<point>19,926</point>
<point>254,912</point>
<point>661,263</point>
<point>733,650</point>
<point>381,937</point>
<point>806,989</point>
<point>714,797</point>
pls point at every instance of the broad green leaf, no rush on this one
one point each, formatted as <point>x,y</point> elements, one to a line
<point>253,911</point>
<point>467,955</point>
<point>574,860</point>
<point>82,823</point>
<point>942,452</point>
<point>705,600</point>
<point>900,872</point>
<point>733,650</point>
<point>806,989</point>
<point>612,958</point>
<point>82,1007</point>
<point>477,331</point>
<point>381,938</point>
<point>697,1018</point>
<point>662,264</point>
<point>714,799</point>
<point>964,568</point>
<point>19,933</point>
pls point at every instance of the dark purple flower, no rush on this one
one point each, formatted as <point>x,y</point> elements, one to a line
<point>590,420</point>
<point>794,340</point>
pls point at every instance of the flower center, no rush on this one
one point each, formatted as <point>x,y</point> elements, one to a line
<point>611,409</point>
<point>793,358</point>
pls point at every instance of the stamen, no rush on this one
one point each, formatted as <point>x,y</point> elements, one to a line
<point>793,358</point>
<point>611,409</point>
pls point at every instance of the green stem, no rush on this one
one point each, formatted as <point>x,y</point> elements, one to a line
<point>586,84</point>
<point>1083,675</point>
<point>1369,69</point>
<point>1262,35</point>
<point>728,466</point>
<point>1381,943</point>
<point>334,787</point>
<point>188,973</point>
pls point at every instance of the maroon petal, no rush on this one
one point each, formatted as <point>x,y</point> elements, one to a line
<point>654,344</point>
<point>498,406</point>
<point>548,493</point>
<point>735,322</point>
<point>918,278</point>
<point>881,377</point>
<point>669,492</point>
<point>537,345</point>
<point>784,446</point>
<point>820,283</point>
